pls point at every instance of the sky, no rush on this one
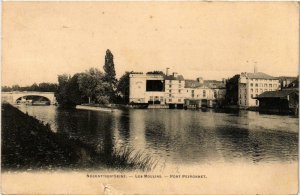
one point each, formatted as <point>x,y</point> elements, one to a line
<point>213,40</point>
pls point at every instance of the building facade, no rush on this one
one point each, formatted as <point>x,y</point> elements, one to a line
<point>173,91</point>
<point>251,85</point>
<point>146,89</point>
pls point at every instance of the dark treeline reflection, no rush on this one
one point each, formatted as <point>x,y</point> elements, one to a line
<point>181,136</point>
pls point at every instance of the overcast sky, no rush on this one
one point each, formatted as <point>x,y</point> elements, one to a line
<point>212,40</point>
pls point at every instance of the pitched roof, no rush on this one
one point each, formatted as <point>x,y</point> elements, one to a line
<point>259,75</point>
<point>276,94</point>
<point>195,84</point>
<point>214,84</point>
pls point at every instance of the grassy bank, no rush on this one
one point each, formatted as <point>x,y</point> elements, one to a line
<point>27,143</point>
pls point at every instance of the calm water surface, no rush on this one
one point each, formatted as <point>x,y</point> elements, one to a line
<point>181,137</point>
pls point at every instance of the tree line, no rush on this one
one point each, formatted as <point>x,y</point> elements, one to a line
<point>44,87</point>
<point>93,86</point>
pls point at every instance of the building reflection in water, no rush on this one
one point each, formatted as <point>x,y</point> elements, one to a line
<point>181,136</point>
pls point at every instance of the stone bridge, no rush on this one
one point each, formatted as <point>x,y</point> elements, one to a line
<point>11,97</point>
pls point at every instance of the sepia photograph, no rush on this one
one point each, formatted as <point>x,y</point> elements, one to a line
<point>131,97</point>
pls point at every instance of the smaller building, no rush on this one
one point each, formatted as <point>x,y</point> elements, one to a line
<point>283,101</point>
<point>285,81</point>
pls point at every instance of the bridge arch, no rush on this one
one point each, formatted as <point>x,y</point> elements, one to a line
<point>32,99</point>
<point>12,97</point>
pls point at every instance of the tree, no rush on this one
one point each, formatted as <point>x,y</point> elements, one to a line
<point>15,87</point>
<point>109,68</point>
<point>90,82</point>
<point>6,89</point>
<point>232,87</point>
<point>123,87</point>
<point>68,93</point>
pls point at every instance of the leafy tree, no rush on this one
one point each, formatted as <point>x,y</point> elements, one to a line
<point>6,89</point>
<point>15,87</point>
<point>109,68</point>
<point>123,87</point>
<point>90,82</point>
<point>232,87</point>
<point>68,93</point>
<point>110,75</point>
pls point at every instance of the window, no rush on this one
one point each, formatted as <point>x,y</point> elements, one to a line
<point>170,86</point>
<point>170,95</point>
<point>192,91</point>
<point>240,102</point>
<point>260,84</point>
<point>179,100</point>
<point>204,93</point>
<point>256,85</point>
<point>170,81</point>
<point>270,85</point>
<point>179,91</point>
<point>256,95</point>
<point>251,95</point>
<point>215,94</point>
<point>275,85</point>
<point>256,90</point>
<point>251,90</point>
<point>251,84</point>
<point>179,81</point>
<point>256,102</point>
<point>170,91</point>
<point>245,102</point>
<point>170,100</point>
<point>265,85</point>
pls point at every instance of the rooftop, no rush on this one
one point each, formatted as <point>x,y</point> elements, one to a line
<point>276,94</point>
<point>258,75</point>
<point>172,77</point>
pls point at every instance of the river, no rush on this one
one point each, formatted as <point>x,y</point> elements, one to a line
<point>181,137</point>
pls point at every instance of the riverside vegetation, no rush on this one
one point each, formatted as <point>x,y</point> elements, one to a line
<point>29,144</point>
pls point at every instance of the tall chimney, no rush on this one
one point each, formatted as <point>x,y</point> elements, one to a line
<point>167,71</point>
<point>255,68</point>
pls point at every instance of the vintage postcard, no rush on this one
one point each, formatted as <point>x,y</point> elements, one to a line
<point>149,97</point>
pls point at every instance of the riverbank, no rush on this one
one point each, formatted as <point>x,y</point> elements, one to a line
<point>27,143</point>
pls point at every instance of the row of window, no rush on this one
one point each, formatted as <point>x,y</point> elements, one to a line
<point>264,80</point>
<point>263,85</point>
<point>256,90</point>
<point>170,100</point>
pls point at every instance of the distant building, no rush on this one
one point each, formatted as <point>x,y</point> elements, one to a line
<point>283,101</point>
<point>285,81</point>
<point>173,91</point>
<point>174,86</point>
<point>251,85</point>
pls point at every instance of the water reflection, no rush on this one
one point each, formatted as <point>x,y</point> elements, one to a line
<point>181,136</point>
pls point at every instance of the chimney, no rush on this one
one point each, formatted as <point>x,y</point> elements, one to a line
<point>200,80</point>
<point>175,74</point>
<point>167,71</point>
<point>255,68</point>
